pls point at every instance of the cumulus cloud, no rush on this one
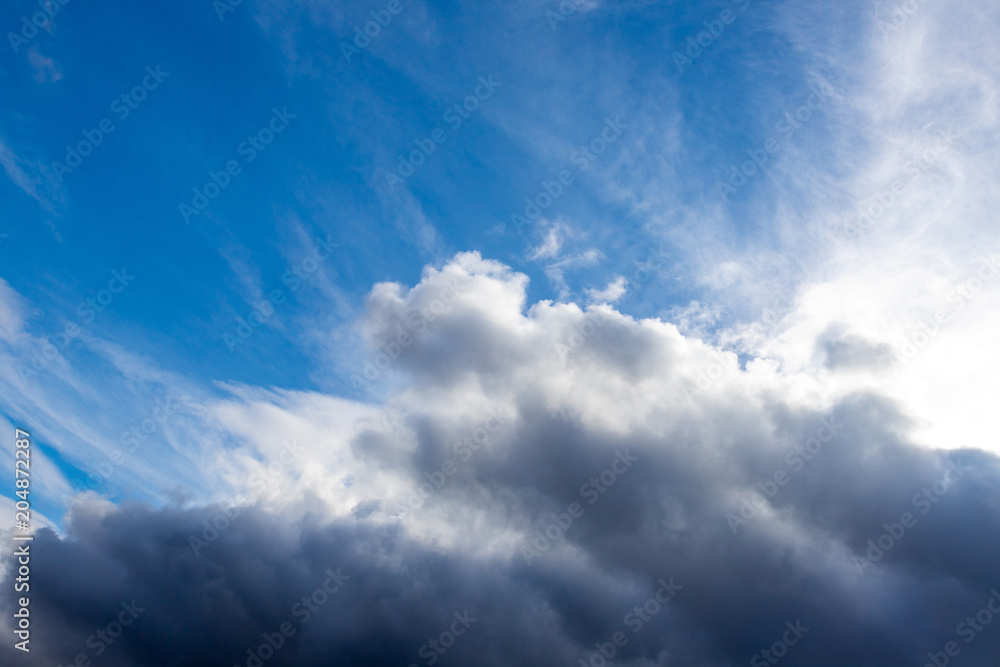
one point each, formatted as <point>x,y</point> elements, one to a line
<point>550,471</point>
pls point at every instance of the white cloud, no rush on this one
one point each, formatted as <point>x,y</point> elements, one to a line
<point>46,70</point>
<point>17,170</point>
<point>550,245</point>
<point>611,293</point>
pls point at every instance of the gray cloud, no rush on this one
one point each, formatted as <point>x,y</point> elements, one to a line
<point>844,349</point>
<point>810,482</point>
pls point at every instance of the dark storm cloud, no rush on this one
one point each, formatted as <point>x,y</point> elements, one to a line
<point>212,608</point>
<point>663,520</point>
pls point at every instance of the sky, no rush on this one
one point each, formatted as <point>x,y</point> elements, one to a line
<point>648,333</point>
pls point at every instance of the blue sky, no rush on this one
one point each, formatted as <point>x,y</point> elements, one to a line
<point>325,175</point>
